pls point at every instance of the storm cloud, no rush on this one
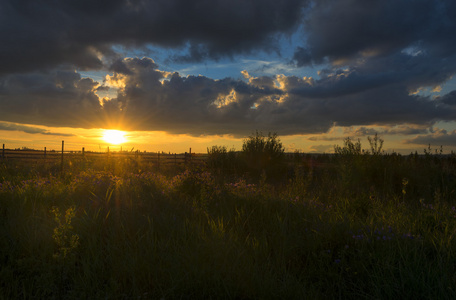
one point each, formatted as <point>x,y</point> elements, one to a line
<point>151,99</point>
<point>373,57</point>
<point>342,31</point>
<point>42,34</point>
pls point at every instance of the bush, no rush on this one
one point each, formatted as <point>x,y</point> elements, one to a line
<point>349,149</point>
<point>222,161</point>
<point>264,155</point>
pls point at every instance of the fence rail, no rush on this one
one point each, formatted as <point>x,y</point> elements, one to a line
<point>160,159</point>
<point>147,156</point>
<point>157,158</point>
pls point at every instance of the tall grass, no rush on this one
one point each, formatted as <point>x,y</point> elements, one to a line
<point>348,226</point>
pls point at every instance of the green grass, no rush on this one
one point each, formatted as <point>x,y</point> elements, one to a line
<point>353,229</point>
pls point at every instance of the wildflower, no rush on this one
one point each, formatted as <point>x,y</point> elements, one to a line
<point>404,185</point>
<point>407,236</point>
<point>358,237</point>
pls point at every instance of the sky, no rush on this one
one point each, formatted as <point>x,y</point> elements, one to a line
<point>180,74</point>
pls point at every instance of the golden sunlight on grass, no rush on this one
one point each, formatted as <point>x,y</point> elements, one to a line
<point>114,137</point>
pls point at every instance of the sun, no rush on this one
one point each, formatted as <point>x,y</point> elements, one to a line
<point>114,137</point>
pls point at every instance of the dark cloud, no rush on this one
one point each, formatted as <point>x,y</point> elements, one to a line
<point>448,99</point>
<point>58,98</point>
<point>394,130</point>
<point>373,55</point>
<point>151,99</point>
<point>43,34</point>
<point>302,57</point>
<point>372,131</point>
<point>154,100</point>
<point>200,105</point>
<point>29,129</point>
<point>437,138</point>
<point>391,45</point>
<point>344,30</point>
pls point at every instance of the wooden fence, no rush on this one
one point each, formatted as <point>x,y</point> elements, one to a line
<point>160,159</point>
<point>157,158</point>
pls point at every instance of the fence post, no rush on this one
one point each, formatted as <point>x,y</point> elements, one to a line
<point>61,161</point>
<point>82,151</point>
<point>175,159</point>
<point>3,151</point>
<point>44,152</point>
<point>158,160</point>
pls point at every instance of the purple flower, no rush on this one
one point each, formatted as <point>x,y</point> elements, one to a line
<point>358,237</point>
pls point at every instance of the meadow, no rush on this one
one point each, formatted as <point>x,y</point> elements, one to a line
<point>352,225</point>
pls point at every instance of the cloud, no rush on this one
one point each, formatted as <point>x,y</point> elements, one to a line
<point>322,148</point>
<point>439,137</point>
<point>151,99</point>
<point>346,30</point>
<point>448,99</point>
<point>379,44</point>
<point>406,130</point>
<point>381,131</point>
<point>58,98</point>
<point>29,129</point>
<point>387,130</point>
<point>45,34</point>
<point>373,58</point>
<point>325,138</point>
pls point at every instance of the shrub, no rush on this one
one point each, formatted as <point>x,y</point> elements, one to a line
<point>350,163</point>
<point>221,161</point>
<point>349,149</point>
<point>264,154</point>
<point>376,144</point>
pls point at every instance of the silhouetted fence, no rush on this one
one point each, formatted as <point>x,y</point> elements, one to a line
<point>158,158</point>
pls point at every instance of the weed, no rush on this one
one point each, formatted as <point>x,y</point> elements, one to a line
<point>356,224</point>
<point>63,235</point>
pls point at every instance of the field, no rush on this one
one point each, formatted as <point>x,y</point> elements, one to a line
<point>352,226</point>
